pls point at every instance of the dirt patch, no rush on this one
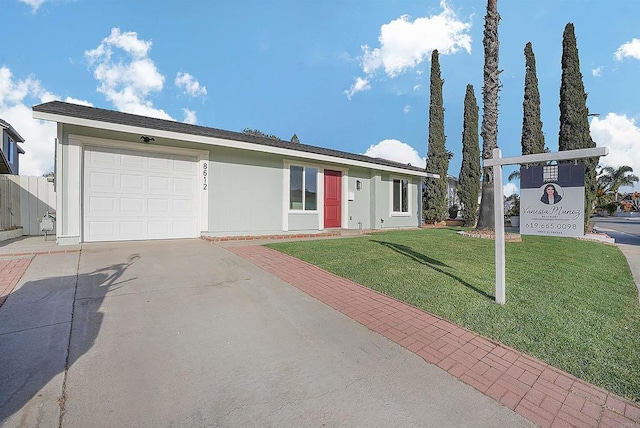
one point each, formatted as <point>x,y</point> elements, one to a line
<point>490,234</point>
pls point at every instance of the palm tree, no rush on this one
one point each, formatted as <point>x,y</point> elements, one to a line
<point>489,128</point>
<point>613,178</point>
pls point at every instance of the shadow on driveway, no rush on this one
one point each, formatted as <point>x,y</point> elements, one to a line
<point>35,327</point>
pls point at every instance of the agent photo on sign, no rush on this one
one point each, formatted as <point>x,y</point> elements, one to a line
<point>550,195</point>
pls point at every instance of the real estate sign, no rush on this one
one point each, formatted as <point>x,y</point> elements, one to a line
<point>552,200</point>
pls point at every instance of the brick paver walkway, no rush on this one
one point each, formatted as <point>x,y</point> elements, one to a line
<point>11,270</point>
<point>543,394</point>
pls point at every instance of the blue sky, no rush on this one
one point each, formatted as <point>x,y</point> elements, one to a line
<point>351,75</point>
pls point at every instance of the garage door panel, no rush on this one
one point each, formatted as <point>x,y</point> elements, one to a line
<point>102,180</point>
<point>102,205</point>
<point>158,228</point>
<point>182,207</point>
<point>183,186</point>
<point>139,195</point>
<point>102,228</point>
<point>131,161</point>
<point>161,164</point>
<point>97,157</point>
<point>182,228</point>
<point>158,207</point>
<point>132,182</point>
<point>132,228</point>
<point>159,184</point>
<point>131,206</point>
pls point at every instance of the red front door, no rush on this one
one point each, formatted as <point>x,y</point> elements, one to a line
<point>332,198</point>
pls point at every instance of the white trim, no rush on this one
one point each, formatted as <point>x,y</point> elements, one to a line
<point>225,143</point>
<point>84,142</point>
<point>285,197</point>
<point>321,198</point>
<point>74,190</point>
<point>393,213</point>
<point>59,183</point>
<point>287,166</point>
<point>544,157</point>
<point>344,201</point>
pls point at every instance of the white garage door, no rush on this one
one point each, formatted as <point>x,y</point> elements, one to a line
<point>134,195</point>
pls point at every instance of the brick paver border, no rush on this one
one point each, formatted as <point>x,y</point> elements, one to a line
<point>14,265</point>
<point>541,393</point>
<point>11,270</point>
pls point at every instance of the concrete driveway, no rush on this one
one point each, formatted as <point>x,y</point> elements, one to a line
<point>626,232</point>
<point>185,333</point>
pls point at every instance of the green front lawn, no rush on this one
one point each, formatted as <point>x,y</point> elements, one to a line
<point>570,303</point>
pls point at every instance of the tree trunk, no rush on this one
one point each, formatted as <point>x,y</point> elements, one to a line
<point>486,219</point>
<point>490,91</point>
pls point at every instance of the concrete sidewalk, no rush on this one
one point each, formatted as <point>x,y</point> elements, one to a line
<point>185,333</point>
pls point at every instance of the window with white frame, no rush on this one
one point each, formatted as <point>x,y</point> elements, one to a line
<point>303,188</point>
<point>400,196</point>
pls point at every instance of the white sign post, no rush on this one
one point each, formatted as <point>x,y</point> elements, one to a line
<point>498,206</point>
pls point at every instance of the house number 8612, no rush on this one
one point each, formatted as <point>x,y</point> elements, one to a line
<point>204,176</point>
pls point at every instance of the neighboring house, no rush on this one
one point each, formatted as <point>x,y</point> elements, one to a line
<point>121,176</point>
<point>9,149</point>
<point>452,191</point>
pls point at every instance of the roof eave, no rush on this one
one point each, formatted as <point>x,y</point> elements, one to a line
<point>216,141</point>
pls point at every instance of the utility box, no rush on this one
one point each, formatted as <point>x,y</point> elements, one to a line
<point>47,224</point>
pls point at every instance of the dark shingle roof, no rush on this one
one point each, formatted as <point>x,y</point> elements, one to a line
<point>14,134</point>
<point>110,116</point>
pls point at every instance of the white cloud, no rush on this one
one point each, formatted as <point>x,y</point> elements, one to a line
<point>622,135</point>
<point>404,44</point>
<point>77,101</point>
<point>361,84</point>
<point>629,50</point>
<point>395,150</point>
<point>406,109</point>
<point>35,4</point>
<point>509,189</point>
<point>127,41</point>
<point>597,72</point>
<point>190,85</point>
<point>127,76</point>
<point>417,87</point>
<point>189,116</point>
<point>16,95</point>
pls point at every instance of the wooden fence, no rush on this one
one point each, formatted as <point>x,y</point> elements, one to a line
<point>23,202</point>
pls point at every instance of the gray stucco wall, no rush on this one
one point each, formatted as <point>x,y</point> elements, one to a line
<point>360,206</point>
<point>384,219</point>
<point>246,189</point>
<point>246,192</point>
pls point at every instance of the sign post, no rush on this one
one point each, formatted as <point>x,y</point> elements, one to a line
<point>498,206</point>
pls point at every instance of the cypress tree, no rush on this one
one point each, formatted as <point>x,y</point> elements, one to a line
<point>469,183</point>
<point>490,92</point>
<point>532,137</point>
<point>435,203</point>
<point>574,115</point>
